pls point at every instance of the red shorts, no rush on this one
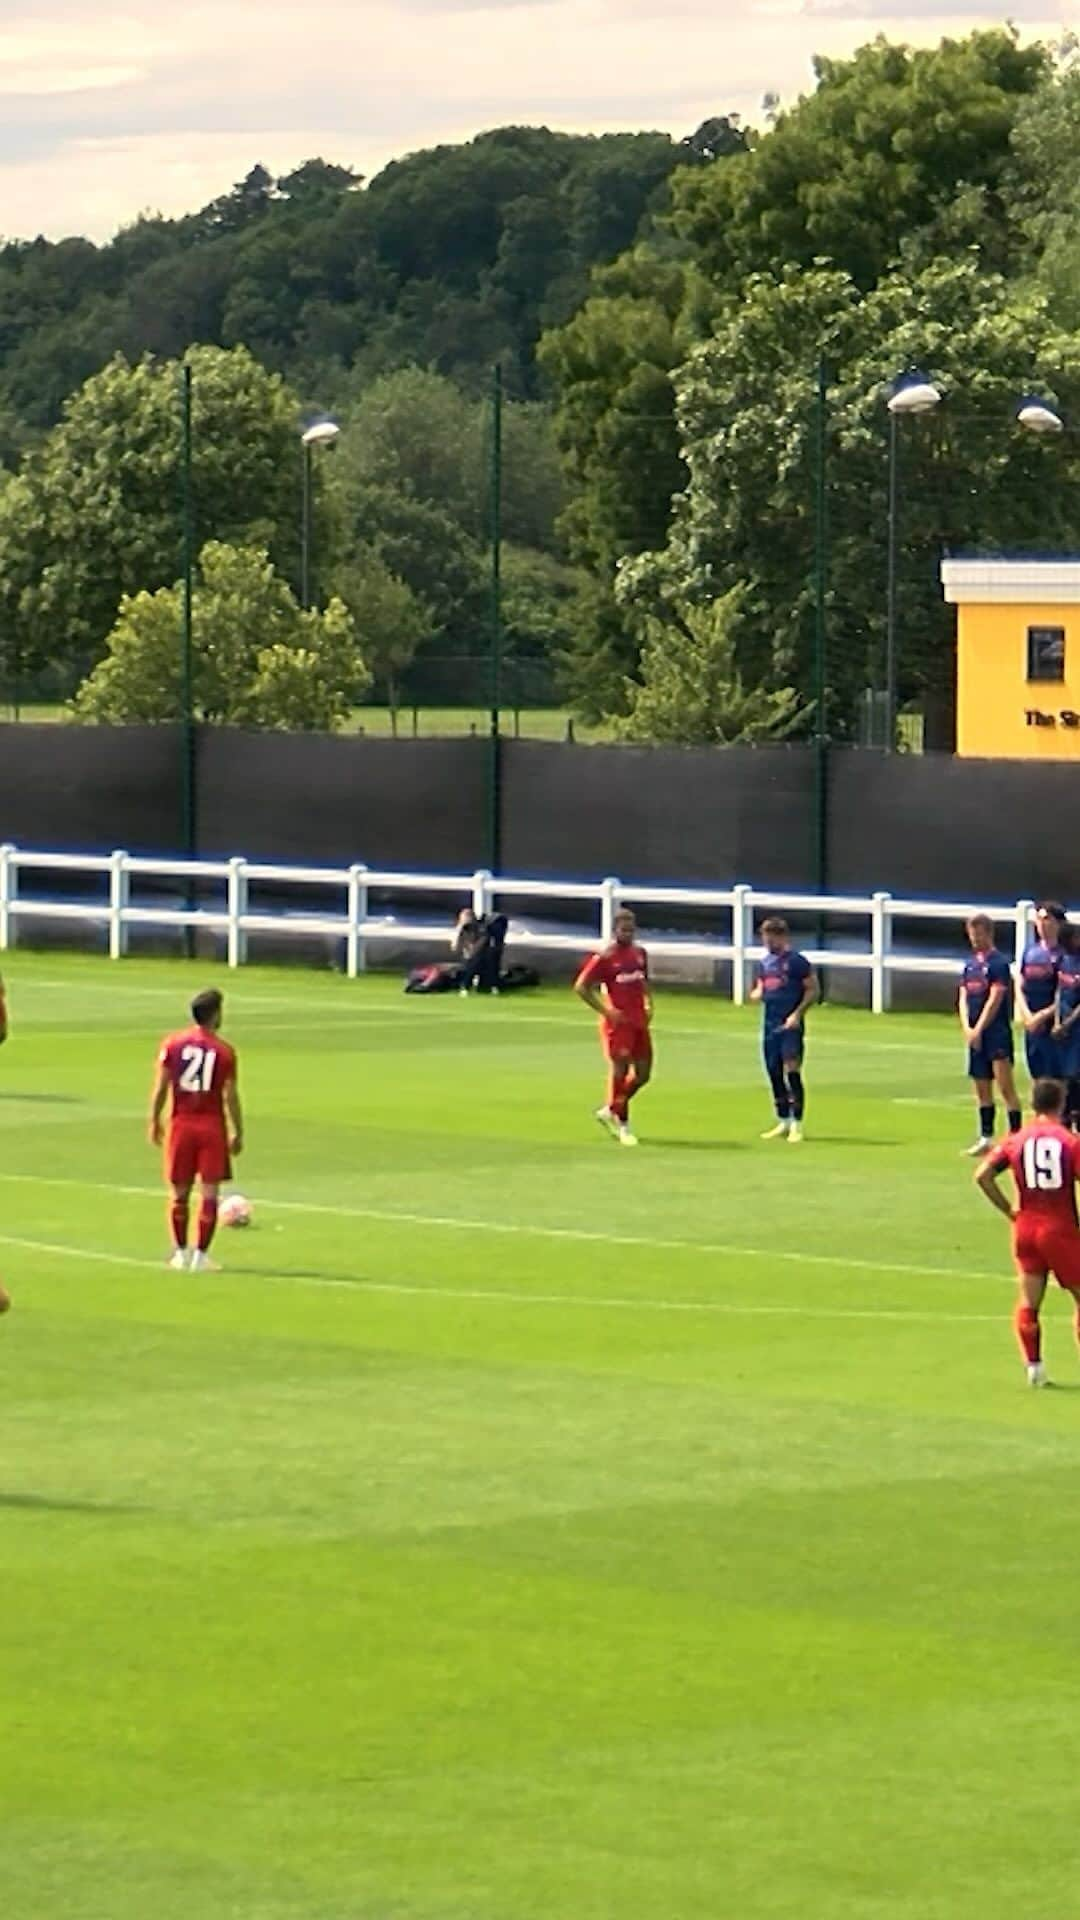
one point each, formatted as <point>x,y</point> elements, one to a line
<point>625,1041</point>
<point>197,1149</point>
<point>1041,1246</point>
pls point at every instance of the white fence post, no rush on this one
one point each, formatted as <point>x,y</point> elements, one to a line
<point>610,890</point>
<point>237,907</point>
<point>355,944</point>
<point>1024,911</point>
<point>8,884</point>
<point>880,949</point>
<point>119,895</point>
<point>742,937</point>
<point>232,918</point>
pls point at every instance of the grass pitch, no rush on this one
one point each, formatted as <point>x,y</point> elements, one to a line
<point>521,1528</point>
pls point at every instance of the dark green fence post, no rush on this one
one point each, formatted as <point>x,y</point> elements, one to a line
<point>821,576</point>
<point>187,688</point>
<point>190,828</point>
<point>494,855</point>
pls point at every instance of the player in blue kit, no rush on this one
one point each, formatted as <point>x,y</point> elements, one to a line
<point>1066,1033</point>
<point>985,1007</point>
<point>1036,992</point>
<point>787,987</point>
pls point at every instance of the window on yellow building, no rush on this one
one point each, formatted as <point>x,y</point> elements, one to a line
<point>1046,653</point>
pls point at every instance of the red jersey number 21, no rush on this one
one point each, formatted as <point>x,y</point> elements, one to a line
<point>197,1070</point>
<point>1042,1165</point>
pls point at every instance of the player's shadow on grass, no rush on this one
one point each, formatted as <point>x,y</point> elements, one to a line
<point>857,1140</point>
<point>329,1276</point>
<point>44,1099</point>
<point>696,1146</point>
<point>44,1503</point>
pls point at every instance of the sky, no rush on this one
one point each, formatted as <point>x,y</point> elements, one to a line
<point>112,108</point>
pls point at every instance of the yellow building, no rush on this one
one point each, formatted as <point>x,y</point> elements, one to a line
<point>1017,657</point>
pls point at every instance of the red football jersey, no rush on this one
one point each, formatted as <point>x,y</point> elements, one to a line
<point>200,1067</point>
<point>1044,1159</point>
<point>623,973</point>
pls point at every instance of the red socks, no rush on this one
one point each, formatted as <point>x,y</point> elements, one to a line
<point>1029,1333</point>
<point>622,1086</point>
<point>207,1224</point>
<point>616,1094</point>
<point>178,1221</point>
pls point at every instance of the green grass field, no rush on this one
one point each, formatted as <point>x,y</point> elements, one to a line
<point>521,1528</point>
<point>530,723</point>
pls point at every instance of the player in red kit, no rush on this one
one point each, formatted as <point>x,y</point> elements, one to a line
<point>1044,1160</point>
<point>197,1072</point>
<point>615,984</point>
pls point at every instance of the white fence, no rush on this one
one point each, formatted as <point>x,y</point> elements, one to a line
<point>122,878</point>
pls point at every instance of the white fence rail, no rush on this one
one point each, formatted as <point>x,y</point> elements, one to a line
<point>123,879</point>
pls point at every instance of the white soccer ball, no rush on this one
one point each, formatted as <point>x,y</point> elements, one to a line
<point>235,1211</point>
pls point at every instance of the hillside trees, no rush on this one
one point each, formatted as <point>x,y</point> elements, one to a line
<point>891,218</point>
<point>257,659</point>
<point>94,512</point>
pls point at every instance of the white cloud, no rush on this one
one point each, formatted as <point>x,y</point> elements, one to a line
<point>106,111</point>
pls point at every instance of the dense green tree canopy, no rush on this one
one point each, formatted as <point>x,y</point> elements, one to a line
<point>95,512</point>
<point>918,207</point>
<point>970,477</point>
<point>883,145</point>
<point>258,660</point>
<point>658,308</point>
<point>454,257</point>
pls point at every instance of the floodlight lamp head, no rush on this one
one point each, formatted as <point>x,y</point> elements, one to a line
<point>914,393</point>
<point>1038,416</point>
<point>322,434</point>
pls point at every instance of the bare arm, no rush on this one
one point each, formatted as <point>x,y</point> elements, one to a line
<point>157,1106</point>
<point>809,995</point>
<point>757,991</point>
<point>993,1003</point>
<point>1065,1026</point>
<point>986,1179</point>
<point>1032,1022</point>
<point>593,997</point>
<point>592,991</point>
<point>236,1116</point>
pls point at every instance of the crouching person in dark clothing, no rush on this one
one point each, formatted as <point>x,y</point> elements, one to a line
<point>478,943</point>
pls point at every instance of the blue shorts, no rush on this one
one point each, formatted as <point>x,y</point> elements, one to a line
<point>1043,1055</point>
<point>1068,1055</point>
<point>783,1047</point>
<point>997,1044</point>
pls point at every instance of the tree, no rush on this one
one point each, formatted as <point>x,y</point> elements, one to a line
<point>95,512</point>
<point>317,180</point>
<point>690,691</point>
<point>418,434</point>
<point>539,603</point>
<point>415,432</point>
<point>426,548</point>
<point>258,659</point>
<point>970,479</point>
<point>1041,189</point>
<point>612,368</point>
<point>861,165</point>
<point>390,620</point>
<point>715,139</point>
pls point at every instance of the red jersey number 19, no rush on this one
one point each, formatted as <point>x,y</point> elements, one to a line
<point>1043,1170</point>
<point>197,1070</point>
